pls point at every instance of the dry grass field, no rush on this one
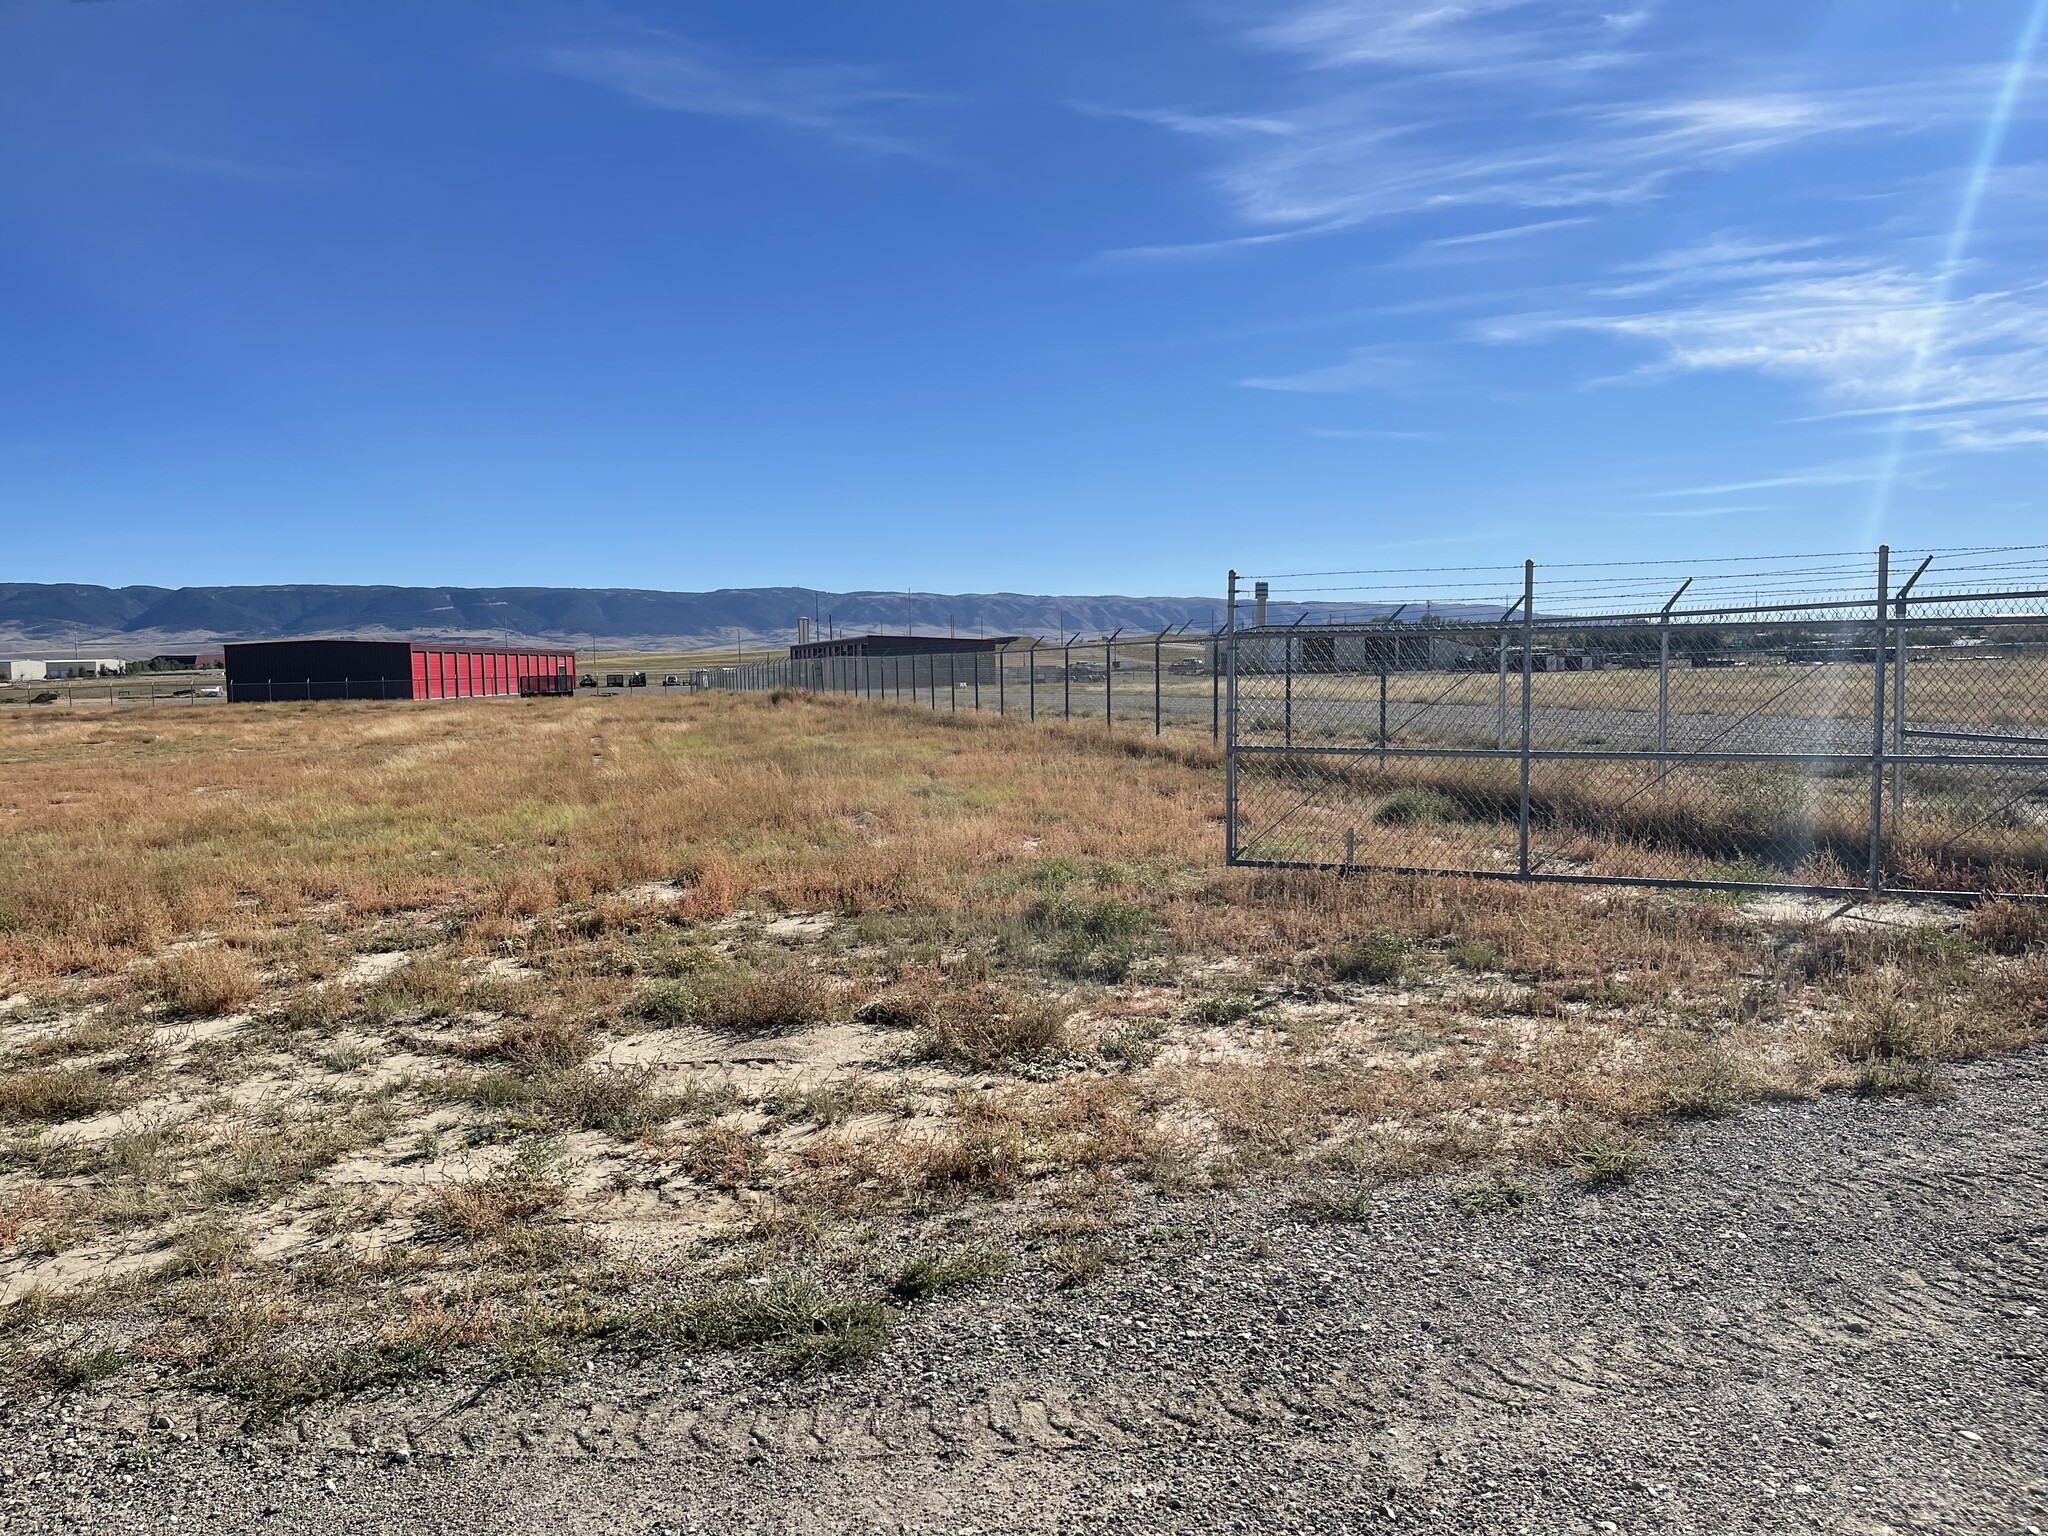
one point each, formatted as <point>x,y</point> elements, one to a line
<point>343,1043</point>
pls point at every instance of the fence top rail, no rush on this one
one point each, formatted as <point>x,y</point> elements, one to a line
<point>1847,614</point>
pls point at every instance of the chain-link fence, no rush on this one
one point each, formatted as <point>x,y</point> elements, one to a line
<point>1151,682</point>
<point>129,691</point>
<point>1840,724</point>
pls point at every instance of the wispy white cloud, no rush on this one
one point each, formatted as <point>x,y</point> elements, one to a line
<point>1367,368</point>
<point>1804,477</point>
<point>1411,107</point>
<point>1470,36</point>
<point>1371,434</point>
<point>1688,514</point>
<point>229,168</point>
<point>1348,159</point>
<point>1874,338</point>
<point>1500,236</point>
<point>674,74</point>
<point>1565,111</point>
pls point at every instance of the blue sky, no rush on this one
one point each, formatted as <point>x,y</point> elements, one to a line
<point>1067,295</point>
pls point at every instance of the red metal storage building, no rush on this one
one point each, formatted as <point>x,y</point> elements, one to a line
<point>393,669</point>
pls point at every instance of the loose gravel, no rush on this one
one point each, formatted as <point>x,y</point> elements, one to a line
<point>1818,1317</point>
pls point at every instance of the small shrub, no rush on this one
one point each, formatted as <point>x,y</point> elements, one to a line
<point>1599,1159</point>
<point>2009,1008</point>
<point>534,1044</point>
<point>1133,1043</point>
<point>481,1209</point>
<point>1090,939</point>
<point>985,1027</point>
<point>57,1094</point>
<point>765,1002</point>
<point>1075,1263</point>
<point>425,987</point>
<point>1475,955</point>
<point>2010,927</point>
<point>1342,1203</point>
<point>1891,1035</point>
<point>1378,959</point>
<point>318,1010</point>
<point>1226,1006</point>
<point>830,1103</point>
<point>721,1155</point>
<point>1705,1083</point>
<point>72,1368</point>
<point>1886,1077</point>
<point>204,982</point>
<point>929,1273</point>
<point>909,1003</point>
<point>110,1029</point>
<point>671,1002</point>
<point>1493,1195</point>
<point>616,1100</point>
<point>1415,807</point>
<point>801,1325</point>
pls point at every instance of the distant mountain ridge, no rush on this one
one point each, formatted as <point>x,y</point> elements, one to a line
<point>136,620</point>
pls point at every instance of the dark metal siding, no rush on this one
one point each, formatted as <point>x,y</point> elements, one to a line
<point>319,669</point>
<point>390,669</point>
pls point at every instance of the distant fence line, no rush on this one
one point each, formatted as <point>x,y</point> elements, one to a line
<point>1173,678</point>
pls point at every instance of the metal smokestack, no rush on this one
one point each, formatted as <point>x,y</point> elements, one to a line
<point>1259,592</point>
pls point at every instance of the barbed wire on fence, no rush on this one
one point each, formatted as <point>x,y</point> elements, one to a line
<point>1848,723</point>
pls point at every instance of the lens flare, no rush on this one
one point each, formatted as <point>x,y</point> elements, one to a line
<point>1989,148</point>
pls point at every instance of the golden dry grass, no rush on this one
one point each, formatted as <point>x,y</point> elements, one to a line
<point>421,1003</point>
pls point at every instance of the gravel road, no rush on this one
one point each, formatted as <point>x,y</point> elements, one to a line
<point>1818,1317</point>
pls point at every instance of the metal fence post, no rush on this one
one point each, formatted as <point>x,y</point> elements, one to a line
<point>1287,667</point>
<point>1664,680</point>
<point>1899,645</point>
<point>1383,714</point>
<point>1528,696</point>
<point>1109,681</point>
<point>1067,682</point>
<point>1031,678</point>
<point>1663,694</point>
<point>952,681</point>
<point>1158,641</point>
<point>1215,689</point>
<point>1230,736</point>
<point>1003,682</point>
<point>1884,564</point>
<point>1500,742</point>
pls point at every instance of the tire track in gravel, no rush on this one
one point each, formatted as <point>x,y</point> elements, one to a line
<point>1909,1188</point>
<point>1845,1297</point>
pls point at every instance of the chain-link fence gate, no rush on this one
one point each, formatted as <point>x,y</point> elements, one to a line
<point>1838,724</point>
